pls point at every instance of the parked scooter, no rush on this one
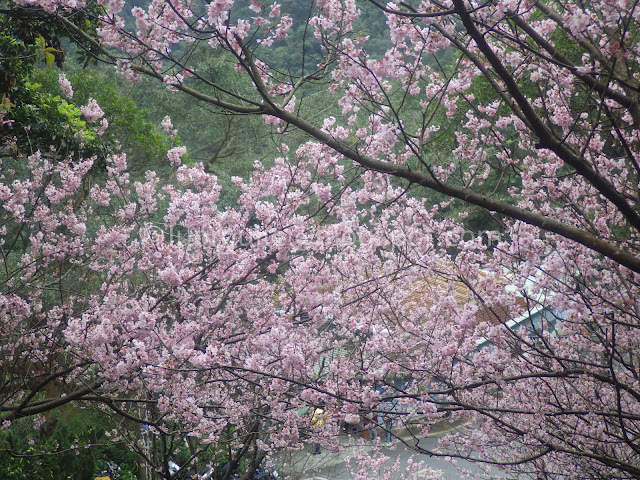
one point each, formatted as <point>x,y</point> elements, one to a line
<point>268,472</point>
<point>205,473</point>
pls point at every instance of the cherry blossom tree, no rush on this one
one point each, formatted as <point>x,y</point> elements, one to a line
<point>342,280</point>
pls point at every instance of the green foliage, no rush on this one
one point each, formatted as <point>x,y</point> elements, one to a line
<point>69,445</point>
<point>53,121</point>
<point>300,51</point>
<point>372,24</point>
<point>129,124</point>
<point>227,145</point>
<point>17,60</point>
<point>34,26</point>
<point>39,119</point>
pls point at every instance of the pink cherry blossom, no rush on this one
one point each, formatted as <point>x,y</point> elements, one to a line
<point>92,111</point>
<point>175,155</point>
<point>65,85</point>
<point>456,237</point>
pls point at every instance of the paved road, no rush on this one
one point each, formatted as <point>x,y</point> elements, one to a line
<point>302,465</point>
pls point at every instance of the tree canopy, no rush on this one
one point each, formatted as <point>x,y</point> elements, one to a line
<point>350,274</point>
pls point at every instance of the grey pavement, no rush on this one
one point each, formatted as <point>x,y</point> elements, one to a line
<point>304,465</point>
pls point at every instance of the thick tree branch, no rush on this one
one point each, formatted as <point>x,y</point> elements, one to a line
<point>53,403</point>
<point>414,176</point>
<point>547,139</point>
